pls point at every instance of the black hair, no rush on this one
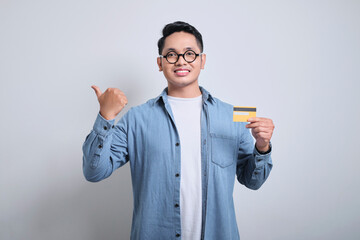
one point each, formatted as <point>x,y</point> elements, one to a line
<point>179,27</point>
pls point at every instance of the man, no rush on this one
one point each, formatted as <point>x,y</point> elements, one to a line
<point>183,147</point>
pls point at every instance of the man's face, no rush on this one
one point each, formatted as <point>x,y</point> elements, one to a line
<point>181,73</point>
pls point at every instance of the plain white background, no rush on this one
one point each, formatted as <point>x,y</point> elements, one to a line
<point>297,61</point>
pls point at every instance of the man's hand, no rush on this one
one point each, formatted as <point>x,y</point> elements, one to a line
<point>112,101</point>
<point>262,130</point>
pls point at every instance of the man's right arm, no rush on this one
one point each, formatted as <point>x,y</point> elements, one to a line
<point>105,148</point>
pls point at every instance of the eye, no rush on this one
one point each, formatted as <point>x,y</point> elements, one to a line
<point>190,53</point>
<point>171,54</point>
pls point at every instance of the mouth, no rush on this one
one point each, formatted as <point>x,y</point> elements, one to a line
<point>182,72</point>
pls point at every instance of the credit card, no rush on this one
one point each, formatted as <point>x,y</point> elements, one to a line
<point>242,114</point>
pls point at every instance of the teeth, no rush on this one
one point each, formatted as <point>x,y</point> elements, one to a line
<point>182,71</point>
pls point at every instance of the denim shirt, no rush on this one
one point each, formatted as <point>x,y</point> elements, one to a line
<point>146,136</point>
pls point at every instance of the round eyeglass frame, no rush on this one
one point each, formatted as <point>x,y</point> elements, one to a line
<point>183,55</point>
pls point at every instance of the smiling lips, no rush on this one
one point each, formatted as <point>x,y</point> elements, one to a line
<point>181,72</point>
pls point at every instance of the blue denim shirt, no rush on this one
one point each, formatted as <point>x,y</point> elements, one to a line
<point>146,136</point>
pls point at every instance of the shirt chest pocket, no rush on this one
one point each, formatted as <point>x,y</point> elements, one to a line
<point>223,150</point>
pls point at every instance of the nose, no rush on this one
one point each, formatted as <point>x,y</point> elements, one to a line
<point>181,60</point>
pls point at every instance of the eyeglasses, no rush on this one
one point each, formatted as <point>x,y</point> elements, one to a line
<point>189,56</point>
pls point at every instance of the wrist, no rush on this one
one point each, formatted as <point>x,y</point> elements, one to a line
<point>263,149</point>
<point>107,116</point>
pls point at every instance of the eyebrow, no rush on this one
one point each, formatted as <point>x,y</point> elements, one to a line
<point>173,49</point>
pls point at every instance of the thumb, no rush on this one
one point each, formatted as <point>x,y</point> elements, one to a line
<point>97,90</point>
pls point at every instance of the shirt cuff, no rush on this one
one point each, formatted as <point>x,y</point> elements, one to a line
<point>102,126</point>
<point>261,158</point>
<point>257,152</point>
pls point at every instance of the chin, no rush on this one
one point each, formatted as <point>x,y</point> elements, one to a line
<point>180,83</point>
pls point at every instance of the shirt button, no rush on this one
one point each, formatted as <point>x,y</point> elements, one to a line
<point>105,127</point>
<point>177,175</point>
<point>112,126</point>
<point>204,141</point>
<point>177,144</point>
<point>176,205</point>
<point>100,146</point>
<point>177,235</point>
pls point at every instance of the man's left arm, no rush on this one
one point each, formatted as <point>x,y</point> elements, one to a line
<point>254,162</point>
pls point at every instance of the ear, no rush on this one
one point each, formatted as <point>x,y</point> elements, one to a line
<point>203,60</point>
<point>159,63</point>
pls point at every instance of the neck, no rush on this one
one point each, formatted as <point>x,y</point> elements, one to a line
<point>190,91</point>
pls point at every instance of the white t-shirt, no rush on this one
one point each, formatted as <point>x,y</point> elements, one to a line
<point>187,113</point>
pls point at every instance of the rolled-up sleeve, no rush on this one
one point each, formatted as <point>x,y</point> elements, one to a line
<point>105,148</point>
<point>253,168</point>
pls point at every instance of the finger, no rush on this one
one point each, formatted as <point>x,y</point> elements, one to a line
<point>264,136</point>
<point>263,122</point>
<point>255,119</point>
<point>255,130</point>
<point>259,119</point>
<point>261,129</point>
<point>253,125</point>
<point>123,101</point>
<point>118,91</point>
<point>97,90</point>
<point>121,94</point>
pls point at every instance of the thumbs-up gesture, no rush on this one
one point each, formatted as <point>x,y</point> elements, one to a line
<point>112,101</point>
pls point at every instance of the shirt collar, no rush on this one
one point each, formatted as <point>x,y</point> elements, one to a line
<point>206,96</point>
